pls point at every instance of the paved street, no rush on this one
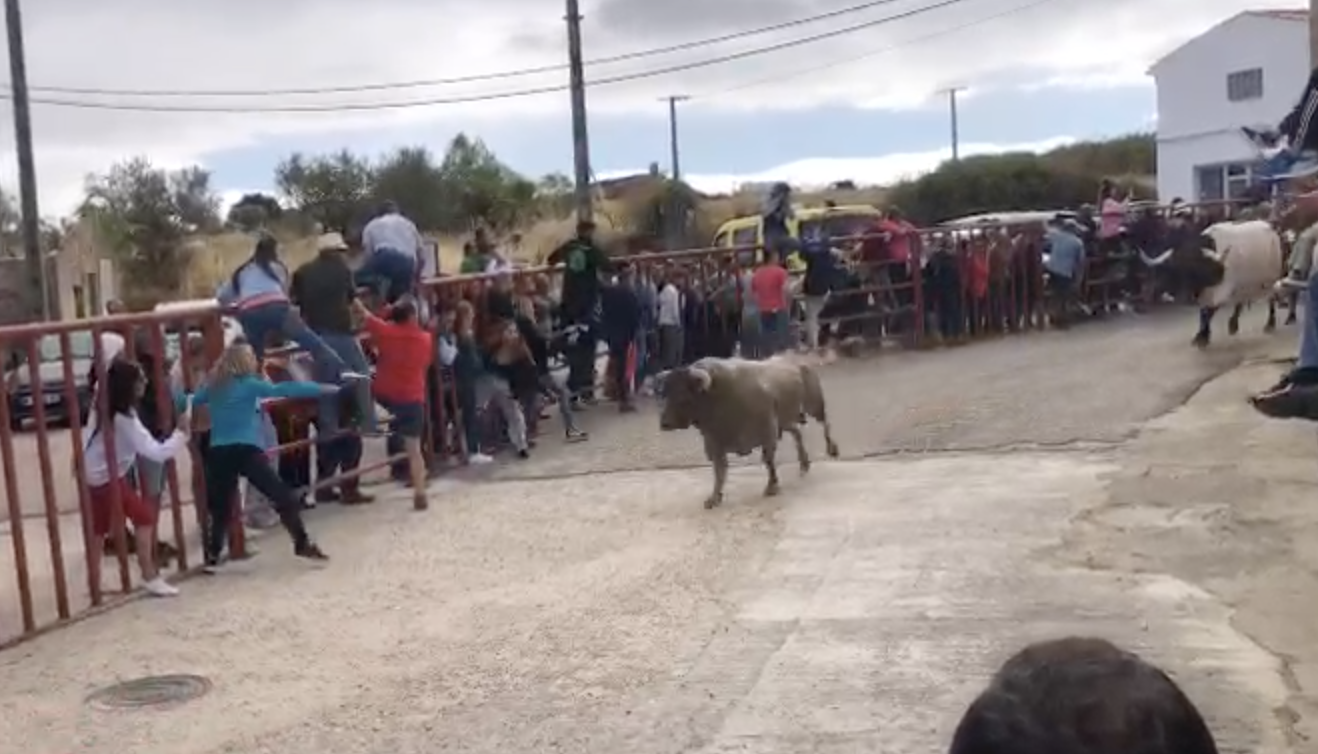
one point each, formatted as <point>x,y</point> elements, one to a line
<point>584,601</point>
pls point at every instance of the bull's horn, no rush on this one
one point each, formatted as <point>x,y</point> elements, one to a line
<point>1155,261</point>
<point>702,377</point>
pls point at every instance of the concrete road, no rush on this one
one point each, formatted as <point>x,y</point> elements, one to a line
<point>584,601</point>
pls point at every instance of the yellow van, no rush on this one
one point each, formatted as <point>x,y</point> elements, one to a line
<point>837,222</point>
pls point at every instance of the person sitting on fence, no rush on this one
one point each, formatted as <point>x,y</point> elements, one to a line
<point>124,389</point>
<point>404,353</point>
<point>233,391</point>
<point>1296,134</point>
<point>393,248</point>
<point>258,292</point>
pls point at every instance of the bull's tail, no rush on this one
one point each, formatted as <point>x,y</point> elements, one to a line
<point>815,406</point>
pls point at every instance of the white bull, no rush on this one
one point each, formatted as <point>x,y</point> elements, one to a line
<point>1228,264</point>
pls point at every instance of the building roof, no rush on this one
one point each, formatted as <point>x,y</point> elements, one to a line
<point>1298,14</point>
<point>1280,14</point>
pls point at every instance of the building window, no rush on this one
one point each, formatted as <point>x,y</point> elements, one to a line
<point>1244,85</point>
<point>1215,183</point>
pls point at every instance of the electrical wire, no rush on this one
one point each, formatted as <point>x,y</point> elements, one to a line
<point>798,72</point>
<point>489,76</point>
<point>512,94</point>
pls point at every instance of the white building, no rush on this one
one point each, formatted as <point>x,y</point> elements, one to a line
<point>1247,71</point>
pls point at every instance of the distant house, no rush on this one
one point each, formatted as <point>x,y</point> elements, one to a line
<point>1248,70</point>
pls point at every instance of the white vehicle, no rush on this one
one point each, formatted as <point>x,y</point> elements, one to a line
<point>232,330</point>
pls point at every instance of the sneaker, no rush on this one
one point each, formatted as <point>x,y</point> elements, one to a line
<point>158,587</point>
<point>575,435</point>
<point>1288,401</point>
<point>211,567</point>
<point>479,459</point>
<point>310,551</point>
<point>523,454</point>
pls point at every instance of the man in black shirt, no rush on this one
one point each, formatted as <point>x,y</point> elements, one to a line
<point>323,290</point>
<point>583,262</point>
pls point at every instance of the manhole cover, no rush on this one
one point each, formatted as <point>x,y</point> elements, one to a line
<point>153,691</point>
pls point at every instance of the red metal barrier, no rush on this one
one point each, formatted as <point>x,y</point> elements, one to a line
<point>959,285</point>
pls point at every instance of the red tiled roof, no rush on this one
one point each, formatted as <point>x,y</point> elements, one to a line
<point>1285,15</point>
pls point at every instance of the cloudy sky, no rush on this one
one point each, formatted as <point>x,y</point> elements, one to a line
<point>860,105</point>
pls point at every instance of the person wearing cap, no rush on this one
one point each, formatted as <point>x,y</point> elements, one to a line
<point>324,291</point>
<point>393,248</point>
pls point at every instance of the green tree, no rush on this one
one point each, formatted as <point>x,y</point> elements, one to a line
<point>253,211</point>
<point>480,189</point>
<point>145,214</point>
<point>333,190</point>
<point>554,195</point>
<point>410,177</point>
<point>1060,179</point>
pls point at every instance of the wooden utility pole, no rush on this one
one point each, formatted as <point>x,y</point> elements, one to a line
<point>580,134</point>
<point>1313,34</point>
<point>956,130</point>
<point>27,172</point>
<point>672,132</point>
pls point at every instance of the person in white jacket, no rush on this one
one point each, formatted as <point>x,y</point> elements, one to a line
<point>124,388</point>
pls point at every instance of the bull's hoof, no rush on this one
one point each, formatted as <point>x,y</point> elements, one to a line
<point>832,450</point>
<point>1200,340</point>
<point>1232,327</point>
<point>713,501</point>
<point>805,467</point>
<point>1290,320</point>
<point>1271,326</point>
<point>771,489</point>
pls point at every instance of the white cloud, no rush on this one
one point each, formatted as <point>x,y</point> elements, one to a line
<point>866,171</point>
<point>242,44</point>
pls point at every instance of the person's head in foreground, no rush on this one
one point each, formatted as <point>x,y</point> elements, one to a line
<point>1081,696</point>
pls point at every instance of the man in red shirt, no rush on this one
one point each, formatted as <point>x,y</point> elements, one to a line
<point>404,353</point>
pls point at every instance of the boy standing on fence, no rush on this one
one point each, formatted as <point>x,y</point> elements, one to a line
<point>404,353</point>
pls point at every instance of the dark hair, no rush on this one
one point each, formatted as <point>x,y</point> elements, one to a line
<point>388,207</point>
<point>265,256</point>
<point>121,380</point>
<point>403,311</point>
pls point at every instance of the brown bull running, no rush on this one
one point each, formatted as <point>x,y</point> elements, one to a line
<point>740,405</point>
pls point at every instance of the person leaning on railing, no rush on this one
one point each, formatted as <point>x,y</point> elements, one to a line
<point>459,354</point>
<point>124,389</point>
<point>233,391</point>
<point>404,352</point>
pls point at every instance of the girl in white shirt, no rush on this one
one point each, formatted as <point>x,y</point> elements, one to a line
<point>124,388</point>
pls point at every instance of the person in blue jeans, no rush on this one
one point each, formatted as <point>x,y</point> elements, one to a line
<point>257,292</point>
<point>393,248</point>
<point>324,292</point>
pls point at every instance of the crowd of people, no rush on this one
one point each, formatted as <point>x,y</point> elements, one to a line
<point>479,370</point>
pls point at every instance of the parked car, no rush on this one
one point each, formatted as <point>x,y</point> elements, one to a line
<point>23,396</point>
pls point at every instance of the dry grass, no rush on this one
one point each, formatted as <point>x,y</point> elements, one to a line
<point>215,257</point>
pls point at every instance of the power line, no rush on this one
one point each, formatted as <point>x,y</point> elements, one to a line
<point>511,94</point>
<point>798,72</point>
<point>489,76</point>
